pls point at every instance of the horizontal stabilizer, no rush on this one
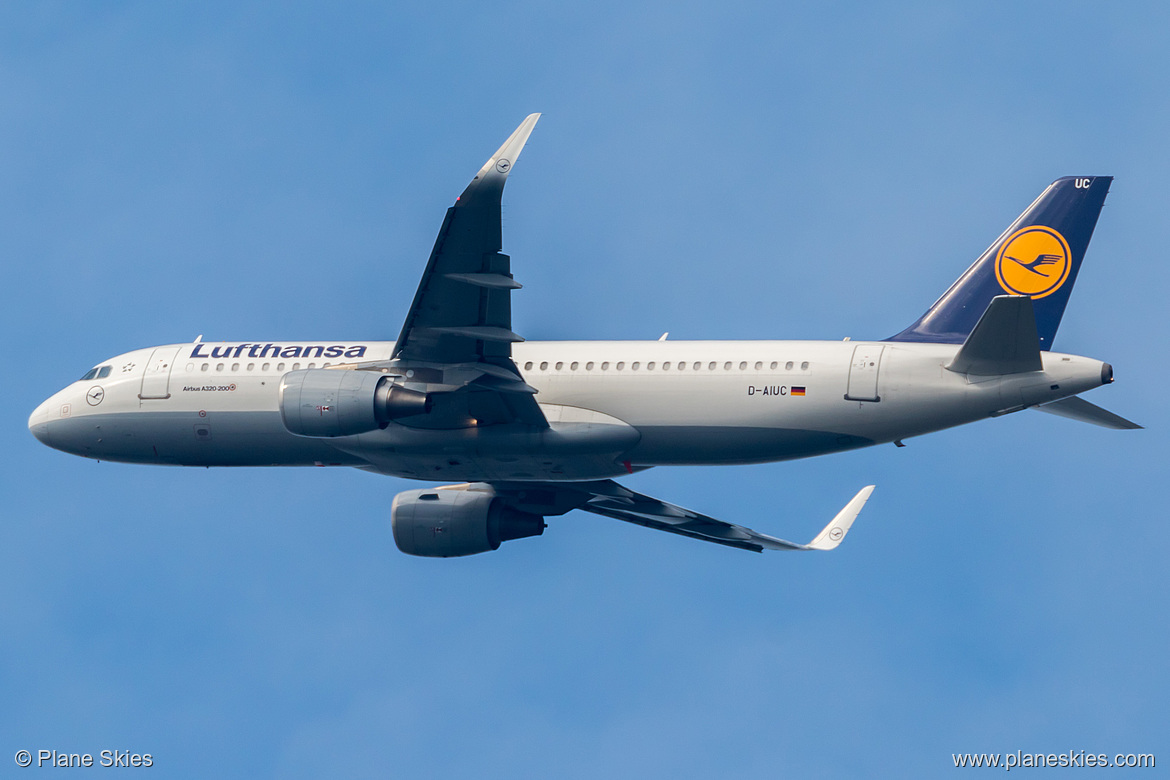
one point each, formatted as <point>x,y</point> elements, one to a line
<point>1077,408</point>
<point>1004,340</point>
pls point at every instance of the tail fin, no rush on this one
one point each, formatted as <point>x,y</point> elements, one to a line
<point>1039,255</point>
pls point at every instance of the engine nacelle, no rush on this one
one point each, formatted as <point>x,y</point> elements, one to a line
<point>453,522</point>
<point>343,402</point>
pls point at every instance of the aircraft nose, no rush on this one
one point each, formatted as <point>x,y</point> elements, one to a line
<point>38,422</point>
<point>47,417</point>
<point>41,432</point>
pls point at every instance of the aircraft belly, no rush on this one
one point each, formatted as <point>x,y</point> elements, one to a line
<point>577,445</point>
<point>476,467</point>
<point>710,445</point>
<point>189,439</point>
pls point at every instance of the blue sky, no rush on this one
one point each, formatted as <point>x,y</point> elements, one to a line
<point>756,171</point>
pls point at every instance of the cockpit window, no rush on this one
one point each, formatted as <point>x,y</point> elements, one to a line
<point>103,372</point>
<point>89,375</point>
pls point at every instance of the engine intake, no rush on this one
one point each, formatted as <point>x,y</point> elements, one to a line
<point>342,402</point>
<point>453,522</point>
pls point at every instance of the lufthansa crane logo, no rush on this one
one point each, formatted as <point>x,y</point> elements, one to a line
<point>1035,261</point>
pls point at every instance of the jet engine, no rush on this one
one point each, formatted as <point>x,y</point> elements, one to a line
<point>451,522</point>
<point>341,402</point>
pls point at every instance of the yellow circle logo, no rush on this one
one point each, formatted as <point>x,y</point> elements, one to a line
<point>1035,261</point>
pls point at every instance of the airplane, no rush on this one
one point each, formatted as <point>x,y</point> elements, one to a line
<point>531,430</point>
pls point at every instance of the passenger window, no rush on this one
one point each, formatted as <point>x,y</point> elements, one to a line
<point>711,366</point>
<point>190,367</point>
<point>204,367</point>
<point>727,366</point>
<point>544,366</point>
<point>251,366</point>
<point>235,367</point>
<point>528,366</point>
<point>743,365</point>
<point>312,365</point>
<point>634,366</point>
<point>219,366</point>
<point>620,366</point>
<point>296,366</point>
<point>804,366</point>
<point>774,364</point>
<point>759,365</point>
<point>605,365</point>
<point>697,365</point>
<point>589,366</point>
<point>265,367</point>
<point>788,366</point>
<point>682,366</point>
<point>573,366</point>
<point>560,365</point>
<point>650,366</point>
<point>280,366</point>
<point>666,366</point>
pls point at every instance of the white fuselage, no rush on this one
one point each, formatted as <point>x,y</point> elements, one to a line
<point>612,406</point>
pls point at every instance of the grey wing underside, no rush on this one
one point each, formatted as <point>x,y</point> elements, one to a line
<point>610,499</point>
<point>457,338</point>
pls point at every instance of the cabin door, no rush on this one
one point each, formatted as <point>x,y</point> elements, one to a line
<point>863,372</point>
<point>156,380</point>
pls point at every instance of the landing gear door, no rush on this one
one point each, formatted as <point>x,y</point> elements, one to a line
<point>863,373</point>
<point>156,380</point>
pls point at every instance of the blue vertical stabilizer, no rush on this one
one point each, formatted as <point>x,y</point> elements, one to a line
<point>1039,256</point>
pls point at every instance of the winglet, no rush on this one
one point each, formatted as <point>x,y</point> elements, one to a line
<point>835,531</point>
<point>495,170</point>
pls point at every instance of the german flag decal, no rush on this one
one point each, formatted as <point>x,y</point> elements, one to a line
<point>796,391</point>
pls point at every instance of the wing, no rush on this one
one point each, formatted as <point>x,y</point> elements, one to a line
<point>456,343</point>
<point>610,499</point>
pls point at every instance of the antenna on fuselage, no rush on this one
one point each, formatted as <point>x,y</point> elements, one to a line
<point>198,339</point>
<point>663,336</point>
